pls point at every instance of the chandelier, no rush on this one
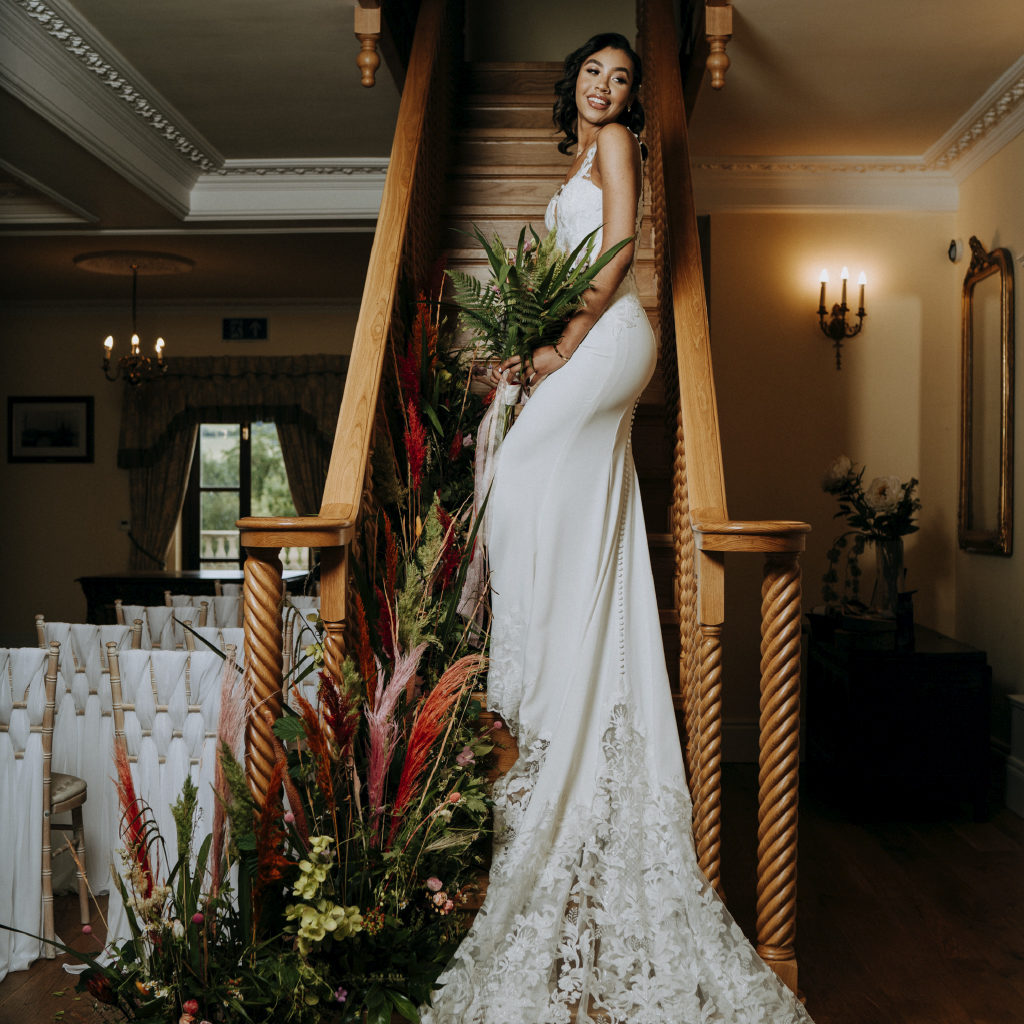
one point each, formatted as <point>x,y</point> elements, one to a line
<point>135,366</point>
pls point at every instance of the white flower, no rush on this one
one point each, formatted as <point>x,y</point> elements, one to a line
<point>837,473</point>
<point>884,493</point>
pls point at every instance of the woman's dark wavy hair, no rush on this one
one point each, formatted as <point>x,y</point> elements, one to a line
<point>565,113</point>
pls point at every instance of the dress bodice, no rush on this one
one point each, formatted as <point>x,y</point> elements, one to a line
<point>577,208</point>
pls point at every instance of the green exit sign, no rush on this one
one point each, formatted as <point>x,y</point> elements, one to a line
<point>244,328</point>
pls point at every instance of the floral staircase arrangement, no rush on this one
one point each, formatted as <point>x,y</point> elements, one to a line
<point>344,896</point>
<point>881,514</point>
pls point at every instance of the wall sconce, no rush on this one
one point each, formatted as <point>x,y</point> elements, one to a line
<point>836,327</point>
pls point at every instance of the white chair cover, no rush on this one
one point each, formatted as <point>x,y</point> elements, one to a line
<point>183,600</point>
<point>230,590</point>
<point>66,738</point>
<point>132,612</point>
<point>22,703</point>
<point>225,611</point>
<point>162,627</point>
<point>304,602</point>
<point>171,708</point>
<point>235,637</point>
<point>94,729</point>
<point>221,638</point>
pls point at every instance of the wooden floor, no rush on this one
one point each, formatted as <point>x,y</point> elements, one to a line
<point>900,921</point>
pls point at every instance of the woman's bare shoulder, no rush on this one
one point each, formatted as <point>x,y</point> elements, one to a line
<point>617,146</point>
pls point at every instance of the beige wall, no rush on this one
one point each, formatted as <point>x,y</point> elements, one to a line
<point>989,589</point>
<point>62,521</point>
<point>785,411</point>
<point>511,31</point>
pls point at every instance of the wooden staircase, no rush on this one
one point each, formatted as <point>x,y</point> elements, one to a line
<point>504,168</point>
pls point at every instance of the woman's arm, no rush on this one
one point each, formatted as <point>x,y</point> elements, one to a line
<point>616,171</point>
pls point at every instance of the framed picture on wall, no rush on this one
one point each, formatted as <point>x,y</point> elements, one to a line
<point>50,429</point>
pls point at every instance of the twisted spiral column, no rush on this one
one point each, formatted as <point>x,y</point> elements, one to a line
<point>690,659</point>
<point>779,765</point>
<point>264,593</point>
<point>685,579</point>
<point>707,812</point>
<point>335,582</point>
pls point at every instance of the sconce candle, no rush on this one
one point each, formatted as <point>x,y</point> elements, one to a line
<point>834,325</point>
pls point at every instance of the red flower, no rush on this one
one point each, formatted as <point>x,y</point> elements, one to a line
<point>451,556</point>
<point>386,632</point>
<point>364,652</point>
<point>339,711</point>
<point>415,446</point>
<point>409,366</point>
<point>456,447</point>
<point>99,988</point>
<point>190,1006</point>
<point>390,560</point>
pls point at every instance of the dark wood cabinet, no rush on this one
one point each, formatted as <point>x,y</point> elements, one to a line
<point>892,730</point>
<point>148,588</point>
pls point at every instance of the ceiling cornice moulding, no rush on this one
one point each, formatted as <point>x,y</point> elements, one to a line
<point>29,201</point>
<point>993,121</point>
<point>929,182</point>
<point>61,68</point>
<point>349,166</point>
<point>264,190</point>
<point>92,53</point>
<point>795,185</point>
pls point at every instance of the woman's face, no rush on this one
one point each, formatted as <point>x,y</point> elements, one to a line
<point>604,86</point>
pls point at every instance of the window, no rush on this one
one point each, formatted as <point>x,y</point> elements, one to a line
<point>237,470</point>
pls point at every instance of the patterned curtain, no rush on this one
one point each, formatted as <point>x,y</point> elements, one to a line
<point>159,421</point>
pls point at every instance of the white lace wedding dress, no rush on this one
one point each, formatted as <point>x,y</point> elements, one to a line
<point>595,904</point>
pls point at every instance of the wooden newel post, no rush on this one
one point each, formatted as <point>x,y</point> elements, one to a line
<point>263,539</point>
<point>264,595</point>
<point>333,610</point>
<point>779,764</point>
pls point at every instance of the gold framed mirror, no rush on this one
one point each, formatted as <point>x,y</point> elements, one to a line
<point>985,519</point>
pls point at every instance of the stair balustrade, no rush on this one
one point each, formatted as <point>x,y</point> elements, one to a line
<point>404,243</point>
<point>704,533</point>
<point>701,532</point>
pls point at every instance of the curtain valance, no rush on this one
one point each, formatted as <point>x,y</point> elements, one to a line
<point>303,391</point>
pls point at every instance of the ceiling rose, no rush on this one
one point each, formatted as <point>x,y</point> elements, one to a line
<point>124,263</point>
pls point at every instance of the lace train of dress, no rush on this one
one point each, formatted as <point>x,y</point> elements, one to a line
<point>595,906</point>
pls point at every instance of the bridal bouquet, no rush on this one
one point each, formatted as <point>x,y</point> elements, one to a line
<point>532,292</point>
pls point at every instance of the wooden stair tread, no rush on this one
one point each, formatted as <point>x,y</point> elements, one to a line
<point>514,134</point>
<point>467,259</point>
<point>500,100</point>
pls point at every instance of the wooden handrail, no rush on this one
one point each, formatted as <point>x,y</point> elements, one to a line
<point>703,532</point>
<point>347,471</point>
<point>403,244</point>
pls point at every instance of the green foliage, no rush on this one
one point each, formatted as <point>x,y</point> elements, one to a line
<point>532,293</point>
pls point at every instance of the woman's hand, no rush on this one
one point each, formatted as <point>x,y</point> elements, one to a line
<point>543,361</point>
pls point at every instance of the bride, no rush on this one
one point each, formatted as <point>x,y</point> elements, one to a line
<point>596,909</point>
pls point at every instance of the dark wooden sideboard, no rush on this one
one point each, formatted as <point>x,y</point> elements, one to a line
<point>147,588</point>
<point>898,730</point>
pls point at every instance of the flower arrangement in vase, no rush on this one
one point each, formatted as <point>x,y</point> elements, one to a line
<point>881,514</point>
